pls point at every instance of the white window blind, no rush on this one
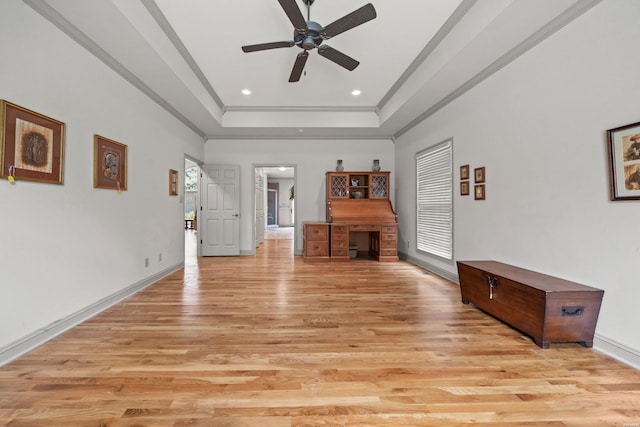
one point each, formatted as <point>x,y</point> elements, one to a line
<point>435,200</point>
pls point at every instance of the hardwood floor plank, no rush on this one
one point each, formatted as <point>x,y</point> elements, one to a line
<point>271,341</point>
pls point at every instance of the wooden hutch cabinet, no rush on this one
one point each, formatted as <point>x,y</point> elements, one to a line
<point>357,185</point>
<point>358,202</point>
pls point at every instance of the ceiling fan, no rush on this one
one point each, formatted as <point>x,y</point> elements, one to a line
<point>309,35</point>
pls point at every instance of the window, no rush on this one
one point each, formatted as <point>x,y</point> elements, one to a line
<point>435,200</point>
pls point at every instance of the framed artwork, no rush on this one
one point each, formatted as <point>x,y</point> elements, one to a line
<point>464,188</point>
<point>464,172</point>
<point>479,192</point>
<point>623,144</point>
<point>173,182</point>
<point>31,145</point>
<point>109,164</point>
<point>479,174</point>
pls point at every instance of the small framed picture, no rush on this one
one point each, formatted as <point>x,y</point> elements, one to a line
<point>623,144</point>
<point>109,164</point>
<point>479,192</point>
<point>479,174</point>
<point>464,172</point>
<point>464,188</point>
<point>355,182</point>
<point>173,182</point>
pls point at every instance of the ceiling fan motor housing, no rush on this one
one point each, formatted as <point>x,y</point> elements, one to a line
<point>311,38</point>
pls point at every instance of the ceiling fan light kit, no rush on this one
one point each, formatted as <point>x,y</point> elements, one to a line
<point>309,35</point>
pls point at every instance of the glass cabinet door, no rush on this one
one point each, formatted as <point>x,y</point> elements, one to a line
<point>338,185</point>
<point>379,186</point>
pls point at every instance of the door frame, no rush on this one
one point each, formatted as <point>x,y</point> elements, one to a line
<point>256,166</point>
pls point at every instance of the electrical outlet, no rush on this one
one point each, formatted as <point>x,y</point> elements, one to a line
<point>146,262</point>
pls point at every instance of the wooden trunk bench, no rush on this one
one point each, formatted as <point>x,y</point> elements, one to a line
<point>544,307</point>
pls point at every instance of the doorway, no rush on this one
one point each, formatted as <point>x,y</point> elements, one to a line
<point>191,203</point>
<point>272,206</point>
<point>274,202</point>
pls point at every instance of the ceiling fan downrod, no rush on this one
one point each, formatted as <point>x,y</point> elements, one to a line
<point>308,3</point>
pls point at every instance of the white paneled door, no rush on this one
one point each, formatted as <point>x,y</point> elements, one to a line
<point>220,210</point>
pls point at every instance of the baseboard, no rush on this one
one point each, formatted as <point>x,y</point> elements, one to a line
<point>39,337</point>
<point>618,351</point>
<point>420,263</point>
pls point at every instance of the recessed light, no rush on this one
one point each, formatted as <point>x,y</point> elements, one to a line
<point>356,92</point>
<point>246,92</point>
<point>282,169</point>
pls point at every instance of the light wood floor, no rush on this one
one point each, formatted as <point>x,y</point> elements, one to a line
<point>269,341</point>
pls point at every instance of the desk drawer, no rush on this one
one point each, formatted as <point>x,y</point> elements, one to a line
<point>339,229</point>
<point>364,227</point>
<point>316,232</point>
<point>338,252</point>
<point>386,237</point>
<point>389,244</point>
<point>316,249</point>
<point>388,229</point>
<point>341,243</point>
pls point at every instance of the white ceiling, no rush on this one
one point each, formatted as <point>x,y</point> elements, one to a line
<point>415,57</point>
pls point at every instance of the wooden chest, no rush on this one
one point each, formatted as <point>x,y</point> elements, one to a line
<point>544,307</point>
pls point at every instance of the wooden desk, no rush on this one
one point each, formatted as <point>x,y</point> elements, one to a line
<point>359,202</point>
<point>375,217</point>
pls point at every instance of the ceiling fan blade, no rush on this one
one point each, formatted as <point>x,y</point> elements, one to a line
<point>293,12</point>
<point>298,66</point>
<point>357,17</point>
<point>338,57</point>
<point>265,46</point>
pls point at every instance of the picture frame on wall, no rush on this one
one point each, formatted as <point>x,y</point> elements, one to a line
<point>464,172</point>
<point>623,146</point>
<point>479,192</point>
<point>173,182</point>
<point>464,188</point>
<point>31,145</point>
<point>479,174</point>
<point>109,164</point>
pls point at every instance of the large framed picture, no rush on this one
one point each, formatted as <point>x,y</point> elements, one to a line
<point>109,164</point>
<point>31,145</point>
<point>623,144</point>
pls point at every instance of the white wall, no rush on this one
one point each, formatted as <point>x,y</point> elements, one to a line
<point>312,159</point>
<point>66,247</point>
<point>538,126</point>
